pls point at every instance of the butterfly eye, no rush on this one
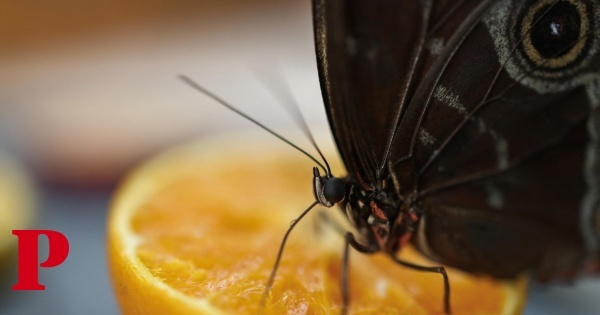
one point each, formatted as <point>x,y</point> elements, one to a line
<point>555,33</point>
<point>334,190</point>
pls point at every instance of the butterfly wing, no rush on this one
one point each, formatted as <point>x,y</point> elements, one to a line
<point>500,154</point>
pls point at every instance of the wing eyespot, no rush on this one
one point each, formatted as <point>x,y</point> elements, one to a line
<point>549,46</point>
<point>555,34</point>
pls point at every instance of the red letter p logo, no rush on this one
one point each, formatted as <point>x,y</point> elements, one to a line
<point>58,249</point>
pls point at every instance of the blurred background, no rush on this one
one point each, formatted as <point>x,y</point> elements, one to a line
<point>88,89</point>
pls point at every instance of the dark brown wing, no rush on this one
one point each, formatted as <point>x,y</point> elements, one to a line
<point>365,49</point>
<point>502,159</point>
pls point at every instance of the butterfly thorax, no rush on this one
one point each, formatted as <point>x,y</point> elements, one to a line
<point>383,220</point>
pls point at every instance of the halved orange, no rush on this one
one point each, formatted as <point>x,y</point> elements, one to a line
<point>196,231</point>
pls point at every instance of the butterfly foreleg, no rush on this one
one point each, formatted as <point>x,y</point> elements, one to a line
<point>439,269</point>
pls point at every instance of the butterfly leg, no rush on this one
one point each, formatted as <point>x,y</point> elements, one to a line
<point>441,270</point>
<point>351,241</point>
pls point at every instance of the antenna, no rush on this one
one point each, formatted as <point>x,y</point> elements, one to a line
<point>281,90</point>
<point>219,100</point>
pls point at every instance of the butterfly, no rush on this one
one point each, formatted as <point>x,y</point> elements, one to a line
<point>469,128</point>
